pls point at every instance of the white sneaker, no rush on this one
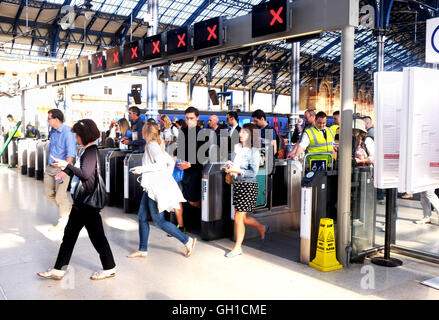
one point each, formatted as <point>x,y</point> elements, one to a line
<point>103,274</point>
<point>425,220</point>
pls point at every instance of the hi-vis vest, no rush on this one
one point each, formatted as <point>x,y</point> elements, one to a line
<point>335,128</point>
<point>11,129</point>
<point>318,144</point>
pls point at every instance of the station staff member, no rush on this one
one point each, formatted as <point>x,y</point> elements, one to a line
<point>316,139</point>
<point>12,125</point>
<point>137,143</point>
<point>335,128</point>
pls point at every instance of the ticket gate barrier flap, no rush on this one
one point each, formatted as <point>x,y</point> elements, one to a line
<point>132,188</point>
<point>46,152</point>
<point>31,156</point>
<point>22,146</point>
<point>215,204</point>
<point>102,152</point>
<point>114,177</point>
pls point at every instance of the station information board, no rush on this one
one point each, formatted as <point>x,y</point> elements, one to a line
<point>269,17</point>
<point>50,74</point>
<point>71,68</point>
<point>132,52</point>
<point>97,62</point>
<point>177,40</point>
<point>42,77</point>
<point>83,66</point>
<point>419,163</point>
<point>208,33</point>
<point>60,71</point>
<point>388,110</point>
<point>114,58</point>
<point>153,47</point>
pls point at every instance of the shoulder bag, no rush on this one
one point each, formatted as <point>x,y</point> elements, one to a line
<point>97,199</point>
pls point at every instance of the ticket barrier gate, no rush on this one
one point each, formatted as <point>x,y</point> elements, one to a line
<point>132,188</point>
<point>4,157</point>
<point>215,220</point>
<point>114,177</point>
<point>318,200</point>
<point>31,156</point>
<point>22,145</point>
<point>363,206</point>
<point>102,152</point>
<point>13,153</point>
<point>41,154</point>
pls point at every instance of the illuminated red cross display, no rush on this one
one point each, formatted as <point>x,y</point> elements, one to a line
<point>276,16</point>
<point>134,52</point>
<point>181,40</point>
<point>115,57</point>
<point>99,61</point>
<point>212,33</point>
<point>156,47</point>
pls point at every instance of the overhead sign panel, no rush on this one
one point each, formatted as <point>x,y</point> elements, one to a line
<point>269,17</point>
<point>153,47</point>
<point>97,62</point>
<point>114,58</point>
<point>177,40</point>
<point>83,66</point>
<point>60,72</point>
<point>132,52</point>
<point>71,69</point>
<point>432,41</point>
<point>51,74</point>
<point>208,33</point>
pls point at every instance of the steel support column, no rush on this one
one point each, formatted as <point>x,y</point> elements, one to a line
<point>345,147</point>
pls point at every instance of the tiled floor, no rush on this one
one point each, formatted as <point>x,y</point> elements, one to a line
<point>268,272</point>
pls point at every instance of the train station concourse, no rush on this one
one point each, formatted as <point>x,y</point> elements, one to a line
<point>221,150</point>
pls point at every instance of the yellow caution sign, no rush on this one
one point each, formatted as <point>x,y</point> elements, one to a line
<point>326,259</point>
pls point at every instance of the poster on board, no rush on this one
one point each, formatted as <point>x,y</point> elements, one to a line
<point>388,110</point>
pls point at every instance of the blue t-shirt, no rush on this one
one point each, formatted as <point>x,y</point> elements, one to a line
<point>62,144</point>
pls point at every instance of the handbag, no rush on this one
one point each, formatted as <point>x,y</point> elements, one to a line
<point>98,198</point>
<point>229,178</point>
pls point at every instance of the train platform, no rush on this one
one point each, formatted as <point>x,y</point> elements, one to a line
<point>271,271</point>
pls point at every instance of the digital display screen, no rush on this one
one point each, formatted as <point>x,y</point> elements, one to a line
<point>177,40</point>
<point>208,33</point>
<point>114,58</point>
<point>83,66</point>
<point>269,17</point>
<point>153,47</point>
<point>71,68</point>
<point>132,53</point>
<point>60,72</point>
<point>50,74</point>
<point>97,62</point>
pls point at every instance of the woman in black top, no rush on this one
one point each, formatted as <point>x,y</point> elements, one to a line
<point>83,215</point>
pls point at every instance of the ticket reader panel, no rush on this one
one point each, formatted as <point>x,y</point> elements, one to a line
<point>102,152</point>
<point>132,188</point>
<point>215,203</point>
<point>4,157</point>
<point>114,177</point>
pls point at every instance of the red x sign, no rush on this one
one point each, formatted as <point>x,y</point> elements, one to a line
<point>134,52</point>
<point>181,40</point>
<point>99,61</point>
<point>156,47</point>
<point>115,57</point>
<point>276,16</point>
<point>212,33</point>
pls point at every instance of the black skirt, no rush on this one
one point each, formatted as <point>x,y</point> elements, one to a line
<point>245,195</point>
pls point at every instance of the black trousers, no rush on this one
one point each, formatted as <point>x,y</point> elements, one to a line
<point>91,219</point>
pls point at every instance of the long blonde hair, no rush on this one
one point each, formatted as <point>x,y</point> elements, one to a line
<point>166,121</point>
<point>151,132</point>
<point>124,125</point>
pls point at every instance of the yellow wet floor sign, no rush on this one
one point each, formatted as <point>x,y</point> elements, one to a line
<point>326,259</point>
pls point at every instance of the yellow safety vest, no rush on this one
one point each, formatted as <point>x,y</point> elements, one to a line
<point>11,129</point>
<point>335,128</point>
<point>318,144</point>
